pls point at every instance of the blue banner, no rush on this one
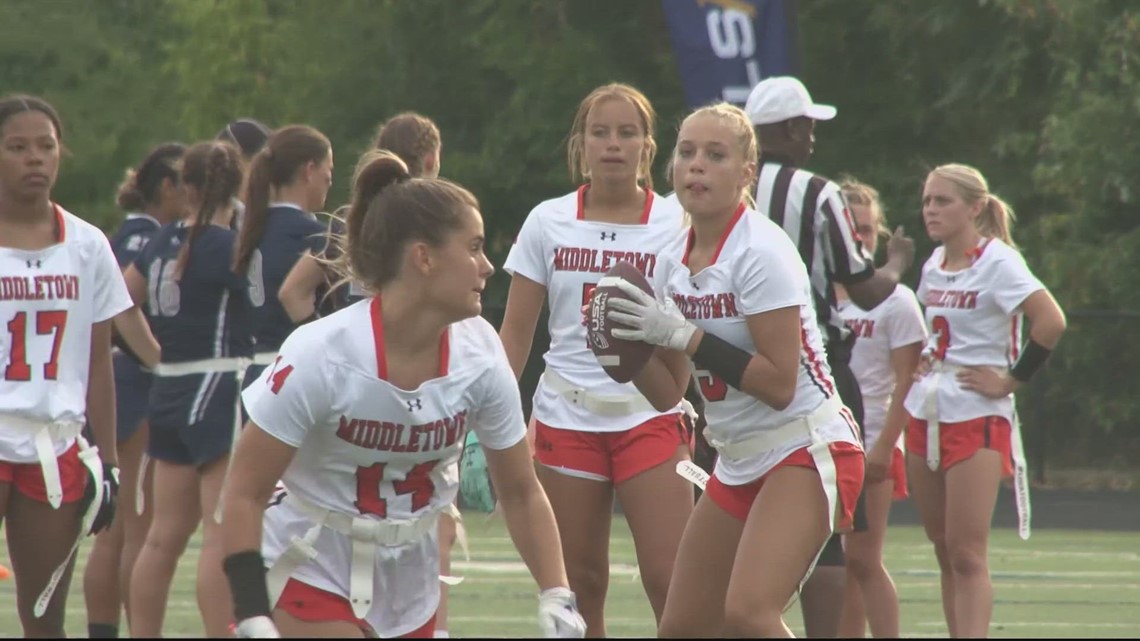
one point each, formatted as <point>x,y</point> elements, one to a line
<point>725,47</point>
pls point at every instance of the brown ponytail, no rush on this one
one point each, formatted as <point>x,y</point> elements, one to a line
<point>214,169</point>
<point>389,208</point>
<point>286,152</point>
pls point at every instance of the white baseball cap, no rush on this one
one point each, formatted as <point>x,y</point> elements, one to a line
<point>783,98</point>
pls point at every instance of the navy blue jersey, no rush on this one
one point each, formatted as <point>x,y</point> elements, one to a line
<point>202,315</point>
<point>129,240</point>
<point>289,232</point>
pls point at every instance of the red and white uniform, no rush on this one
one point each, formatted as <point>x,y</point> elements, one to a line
<point>974,321</point>
<point>894,323</point>
<point>568,255</point>
<point>375,464</point>
<point>49,299</point>
<point>756,270</point>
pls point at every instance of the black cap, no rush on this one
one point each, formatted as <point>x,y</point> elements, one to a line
<point>247,133</point>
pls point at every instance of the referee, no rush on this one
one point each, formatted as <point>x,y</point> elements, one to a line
<point>811,209</point>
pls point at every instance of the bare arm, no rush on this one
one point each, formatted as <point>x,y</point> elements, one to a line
<point>299,290</point>
<point>904,362</point>
<point>1046,319</point>
<point>258,462</point>
<point>869,292</point>
<point>772,372</point>
<point>664,379</point>
<point>530,520</point>
<point>131,325</point>
<point>524,303</point>
<point>101,393</point>
<point>136,285</point>
<point>1047,324</point>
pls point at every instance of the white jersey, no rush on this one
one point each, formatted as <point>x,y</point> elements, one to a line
<point>894,323</point>
<point>756,270</point>
<point>568,255</point>
<point>49,299</point>
<point>368,448</point>
<point>974,321</point>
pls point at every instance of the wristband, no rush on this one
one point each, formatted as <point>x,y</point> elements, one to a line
<point>722,358</point>
<point>1033,356</point>
<point>246,574</point>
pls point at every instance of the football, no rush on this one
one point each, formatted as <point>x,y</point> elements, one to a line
<point>621,359</point>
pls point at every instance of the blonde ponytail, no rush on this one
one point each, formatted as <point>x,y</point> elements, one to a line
<point>997,217</point>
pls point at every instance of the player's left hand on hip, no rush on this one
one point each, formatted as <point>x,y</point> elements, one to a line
<point>987,381</point>
<point>650,321</point>
<point>558,615</point>
<point>109,500</point>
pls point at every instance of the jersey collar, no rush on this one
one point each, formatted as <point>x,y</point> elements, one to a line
<point>720,245</point>
<point>378,340</point>
<point>644,212</point>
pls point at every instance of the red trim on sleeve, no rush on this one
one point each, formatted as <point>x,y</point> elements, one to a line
<point>1014,347</point>
<point>815,366</point>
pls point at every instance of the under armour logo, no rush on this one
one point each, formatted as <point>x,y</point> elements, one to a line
<point>951,278</point>
<point>32,262</point>
<point>613,236</point>
<point>414,404</point>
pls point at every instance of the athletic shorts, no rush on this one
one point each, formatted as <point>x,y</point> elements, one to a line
<point>897,474</point>
<point>610,456</point>
<point>204,441</point>
<point>960,441</point>
<point>28,478</point>
<point>132,395</point>
<point>307,603</point>
<point>850,465</point>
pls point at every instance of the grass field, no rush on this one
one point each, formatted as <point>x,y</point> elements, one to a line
<point>1061,583</point>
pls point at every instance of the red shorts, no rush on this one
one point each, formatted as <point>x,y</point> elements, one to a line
<point>307,603</point>
<point>850,465</point>
<point>897,474</point>
<point>611,456</point>
<point>28,478</point>
<point>962,440</point>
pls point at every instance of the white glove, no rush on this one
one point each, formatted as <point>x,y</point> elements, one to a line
<point>653,322</point>
<point>558,615</point>
<point>257,628</point>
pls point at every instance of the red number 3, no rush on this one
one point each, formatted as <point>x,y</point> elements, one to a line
<point>417,483</point>
<point>939,325</point>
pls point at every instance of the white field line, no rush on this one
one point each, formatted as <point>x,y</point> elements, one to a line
<point>625,569</point>
<point>1041,624</point>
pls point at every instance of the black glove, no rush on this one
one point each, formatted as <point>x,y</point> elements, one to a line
<point>110,500</point>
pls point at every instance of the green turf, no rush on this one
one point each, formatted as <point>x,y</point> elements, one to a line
<point>1058,584</point>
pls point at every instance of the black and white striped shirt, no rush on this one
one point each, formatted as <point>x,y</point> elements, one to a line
<point>813,212</point>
